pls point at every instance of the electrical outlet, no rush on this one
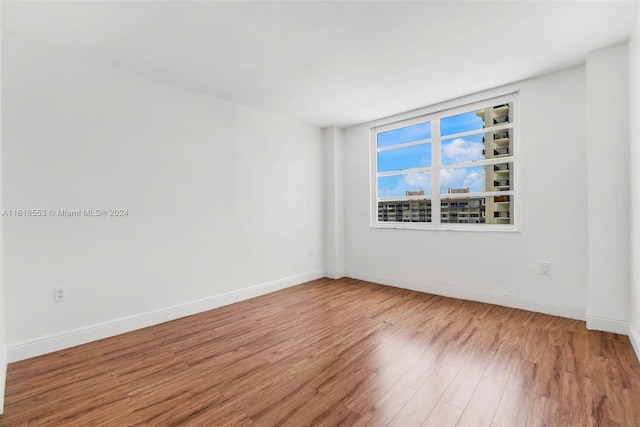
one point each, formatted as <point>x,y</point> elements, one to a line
<point>545,268</point>
<point>310,252</point>
<point>59,294</point>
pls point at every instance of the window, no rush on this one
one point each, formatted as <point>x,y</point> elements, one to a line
<point>451,167</point>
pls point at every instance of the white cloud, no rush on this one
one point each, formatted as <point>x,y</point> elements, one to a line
<point>472,177</point>
<point>420,180</point>
<point>452,178</point>
<point>462,178</point>
<point>475,181</point>
<point>461,150</point>
<point>398,185</point>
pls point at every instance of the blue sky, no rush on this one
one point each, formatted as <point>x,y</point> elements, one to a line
<point>406,134</point>
<point>460,123</point>
<point>454,150</point>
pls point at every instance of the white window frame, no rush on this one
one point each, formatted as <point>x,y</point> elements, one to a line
<point>434,117</point>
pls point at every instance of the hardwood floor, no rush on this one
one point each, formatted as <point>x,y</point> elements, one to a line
<point>342,352</point>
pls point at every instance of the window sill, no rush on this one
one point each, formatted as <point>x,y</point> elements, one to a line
<point>510,228</point>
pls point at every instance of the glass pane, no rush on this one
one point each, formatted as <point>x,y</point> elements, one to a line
<point>475,179</point>
<point>463,180</point>
<point>473,120</point>
<point>405,134</point>
<point>477,147</point>
<point>405,211</point>
<point>469,210</point>
<point>499,210</point>
<point>461,123</point>
<point>465,149</point>
<point>410,184</point>
<point>405,158</point>
<point>477,210</point>
<point>499,177</point>
<point>499,144</point>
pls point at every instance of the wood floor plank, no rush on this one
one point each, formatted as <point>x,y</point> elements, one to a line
<point>502,364</point>
<point>481,408</point>
<point>550,374</point>
<point>443,415</point>
<point>336,415</point>
<point>513,409</point>
<point>465,383</point>
<point>575,391</point>
<point>422,369</point>
<point>319,409</point>
<point>173,407</point>
<point>284,409</point>
<point>386,408</point>
<point>418,408</point>
<point>544,412</point>
<point>337,352</point>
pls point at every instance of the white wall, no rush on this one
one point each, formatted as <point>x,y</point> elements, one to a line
<point>608,189</point>
<point>634,138</point>
<point>221,198</point>
<point>3,345</point>
<point>494,267</point>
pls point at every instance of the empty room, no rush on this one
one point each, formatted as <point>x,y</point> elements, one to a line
<point>368,213</point>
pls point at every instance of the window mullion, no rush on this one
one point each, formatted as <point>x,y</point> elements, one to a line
<point>491,129</point>
<point>435,172</point>
<point>485,162</point>
<point>404,145</point>
<point>404,171</point>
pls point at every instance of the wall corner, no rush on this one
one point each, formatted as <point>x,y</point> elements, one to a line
<point>634,184</point>
<point>333,202</point>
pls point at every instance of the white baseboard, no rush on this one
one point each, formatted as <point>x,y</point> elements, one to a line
<point>70,338</point>
<point>546,307</point>
<point>634,337</point>
<point>597,323</point>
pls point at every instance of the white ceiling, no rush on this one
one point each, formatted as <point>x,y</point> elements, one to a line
<point>329,63</point>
